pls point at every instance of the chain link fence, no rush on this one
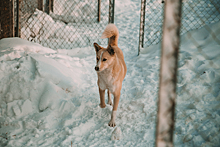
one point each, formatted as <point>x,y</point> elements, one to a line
<point>195,14</point>
<point>64,23</point>
<point>201,85</point>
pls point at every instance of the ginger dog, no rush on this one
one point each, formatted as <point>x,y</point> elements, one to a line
<point>111,69</point>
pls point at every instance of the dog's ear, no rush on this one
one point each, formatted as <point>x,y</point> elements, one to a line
<point>97,47</point>
<point>110,50</point>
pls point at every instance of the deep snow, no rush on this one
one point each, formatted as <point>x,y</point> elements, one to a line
<point>50,97</point>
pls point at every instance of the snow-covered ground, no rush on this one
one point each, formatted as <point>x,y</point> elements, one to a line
<point>50,97</point>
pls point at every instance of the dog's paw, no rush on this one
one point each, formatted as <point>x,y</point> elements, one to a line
<point>102,106</point>
<point>112,123</point>
<point>110,103</point>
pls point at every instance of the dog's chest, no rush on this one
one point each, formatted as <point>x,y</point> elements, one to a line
<point>106,81</point>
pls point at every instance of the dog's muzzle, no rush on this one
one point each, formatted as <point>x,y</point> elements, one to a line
<point>97,68</point>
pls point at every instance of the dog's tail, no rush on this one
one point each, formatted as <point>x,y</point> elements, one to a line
<point>112,33</point>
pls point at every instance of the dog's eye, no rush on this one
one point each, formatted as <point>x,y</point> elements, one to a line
<point>104,59</point>
<point>97,59</point>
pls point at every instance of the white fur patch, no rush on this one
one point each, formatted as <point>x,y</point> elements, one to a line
<point>100,59</point>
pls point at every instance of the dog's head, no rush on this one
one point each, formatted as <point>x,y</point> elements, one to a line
<point>104,57</point>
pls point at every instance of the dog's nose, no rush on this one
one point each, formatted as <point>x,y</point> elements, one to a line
<point>97,68</point>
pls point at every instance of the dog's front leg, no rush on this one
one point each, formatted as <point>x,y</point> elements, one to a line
<point>112,121</point>
<point>109,98</point>
<point>114,111</point>
<point>102,98</point>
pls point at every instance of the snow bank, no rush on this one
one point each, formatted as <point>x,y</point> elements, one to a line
<point>34,88</point>
<point>12,48</point>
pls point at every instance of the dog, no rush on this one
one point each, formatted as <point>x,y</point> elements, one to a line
<point>111,69</point>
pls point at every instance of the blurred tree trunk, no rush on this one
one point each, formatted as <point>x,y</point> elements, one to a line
<point>168,73</point>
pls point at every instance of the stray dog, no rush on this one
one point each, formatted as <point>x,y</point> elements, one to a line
<point>111,69</point>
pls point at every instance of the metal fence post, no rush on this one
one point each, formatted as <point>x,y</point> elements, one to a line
<point>51,5</point>
<point>168,73</point>
<point>99,10</point>
<point>111,11</point>
<point>7,18</point>
<point>18,28</point>
<point>40,4</point>
<point>142,22</point>
<point>48,6</point>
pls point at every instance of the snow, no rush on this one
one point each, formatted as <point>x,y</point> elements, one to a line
<point>116,134</point>
<point>50,97</point>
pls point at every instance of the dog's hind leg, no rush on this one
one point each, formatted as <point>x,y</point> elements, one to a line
<point>109,98</point>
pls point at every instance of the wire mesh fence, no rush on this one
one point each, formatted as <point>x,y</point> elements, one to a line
<point>153,22</point>
<point>203,15</point>
<point>64,24</point>
<point>195,14</point>
<point>201,84</point>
